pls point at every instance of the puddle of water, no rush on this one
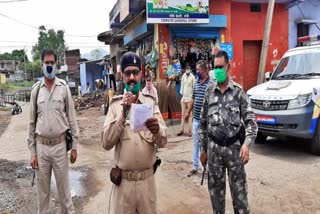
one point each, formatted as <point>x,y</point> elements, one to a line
<point>76,183</point>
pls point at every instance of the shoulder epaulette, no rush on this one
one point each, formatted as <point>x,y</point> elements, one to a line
<point>149,96</point>
<point>62,82</point>
<point>237,85</point>
<point>37,83</point>
<point>115,98</point>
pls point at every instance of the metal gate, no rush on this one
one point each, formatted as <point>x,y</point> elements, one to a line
<point>21,95</point>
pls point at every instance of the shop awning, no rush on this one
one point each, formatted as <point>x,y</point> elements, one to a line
<point>139,32</point>
<point>105,36</point>
<point>109,37</point>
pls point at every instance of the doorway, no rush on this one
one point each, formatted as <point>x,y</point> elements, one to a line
<point>251,59</point>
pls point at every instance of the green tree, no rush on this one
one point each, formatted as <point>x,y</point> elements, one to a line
<point>35,67</point>
<point>6,56</point>
<point>96,54</point>
<point>50,39</point>
<point>19,55</point>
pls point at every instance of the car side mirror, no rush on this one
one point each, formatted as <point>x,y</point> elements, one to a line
<point>267,75</point>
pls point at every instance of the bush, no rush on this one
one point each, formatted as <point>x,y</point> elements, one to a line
<point>12,86</point>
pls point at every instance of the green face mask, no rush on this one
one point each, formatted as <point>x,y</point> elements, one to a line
<point>220,74</point>
<point>136,87</point>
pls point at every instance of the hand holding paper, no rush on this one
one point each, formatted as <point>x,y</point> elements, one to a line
<point>153,125</point>
<point>140,113</point>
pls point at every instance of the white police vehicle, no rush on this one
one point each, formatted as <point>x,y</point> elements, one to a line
<point>288,105</point>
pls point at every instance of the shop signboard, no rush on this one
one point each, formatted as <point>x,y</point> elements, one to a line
<point>178,11</point>
<point>124,9</point>
<point>228,47</point>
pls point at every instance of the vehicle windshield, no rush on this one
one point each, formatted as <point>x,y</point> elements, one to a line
<point>301,66</point>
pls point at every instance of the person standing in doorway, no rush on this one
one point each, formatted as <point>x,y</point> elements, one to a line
<point>51,115</point>
<point>195,104</point>
<point>186,90</point>
<point>112,78</point>
<point>88,90</point>
<point>224,139</point>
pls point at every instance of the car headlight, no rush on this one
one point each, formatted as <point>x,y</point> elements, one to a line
<point>300,101</point>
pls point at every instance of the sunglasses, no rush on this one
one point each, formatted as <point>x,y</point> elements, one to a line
<point>218,67</point>
<point>49,62</point>
<point>128,73</point>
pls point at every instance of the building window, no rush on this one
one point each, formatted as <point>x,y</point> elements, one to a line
<point>302,30</point>
<point>1,65</point>
<point>255,7</point>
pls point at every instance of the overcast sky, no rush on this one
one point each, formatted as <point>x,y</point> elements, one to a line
<point>76,17</point>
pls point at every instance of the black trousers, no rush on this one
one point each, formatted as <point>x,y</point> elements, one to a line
<point>113,81</point>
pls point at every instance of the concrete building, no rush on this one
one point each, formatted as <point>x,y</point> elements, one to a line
<point>160,33</point>
<point>304,20</point>
<point>8,67</point>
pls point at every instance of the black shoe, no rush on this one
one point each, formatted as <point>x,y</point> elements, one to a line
<point>192,172</point>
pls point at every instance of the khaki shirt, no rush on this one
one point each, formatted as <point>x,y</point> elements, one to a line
<point>133,150</point>
<point>55,113</point>
<point>187,85</point>
<point>153,93</point>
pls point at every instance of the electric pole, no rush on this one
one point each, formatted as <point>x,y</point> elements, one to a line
<point>265,44</point>
<point>24,60</point>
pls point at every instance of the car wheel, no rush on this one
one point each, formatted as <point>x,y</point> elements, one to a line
<point>261,138</point>
<point>315,143</point>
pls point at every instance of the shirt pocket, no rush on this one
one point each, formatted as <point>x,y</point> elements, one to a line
<point>41,104</point>
<point>234,115</point>
<point>58,103</point>
<point>214,116</point>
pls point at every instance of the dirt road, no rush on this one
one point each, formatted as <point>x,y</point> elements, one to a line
<point>282,176</point>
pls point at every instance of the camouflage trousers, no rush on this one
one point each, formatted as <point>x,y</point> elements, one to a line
<point>219,159</point>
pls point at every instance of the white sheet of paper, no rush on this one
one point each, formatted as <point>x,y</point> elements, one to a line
<point>139,114</point>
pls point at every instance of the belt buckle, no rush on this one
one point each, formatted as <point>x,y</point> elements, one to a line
<point>131,176</point>
<point>143,175</point>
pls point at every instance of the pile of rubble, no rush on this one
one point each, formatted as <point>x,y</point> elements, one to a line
<point>88,101</point>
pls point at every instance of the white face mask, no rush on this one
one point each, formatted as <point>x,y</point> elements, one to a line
<point>49,71</point>
<point>188,71</point>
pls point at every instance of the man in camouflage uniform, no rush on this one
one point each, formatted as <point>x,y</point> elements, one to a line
<point>225,108</point>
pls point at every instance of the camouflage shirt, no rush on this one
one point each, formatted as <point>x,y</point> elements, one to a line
<point>222,114</point>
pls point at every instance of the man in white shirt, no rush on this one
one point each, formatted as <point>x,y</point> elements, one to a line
<point>186,90</point>
<point>112,78</point>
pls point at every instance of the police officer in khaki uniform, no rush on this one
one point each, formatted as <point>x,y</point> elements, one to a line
<point>51,114</point>
<point>135,152</point>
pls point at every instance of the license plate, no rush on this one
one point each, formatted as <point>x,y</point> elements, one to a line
<point>265,119</point>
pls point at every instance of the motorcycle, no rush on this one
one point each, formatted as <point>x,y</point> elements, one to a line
<point>16,109</point>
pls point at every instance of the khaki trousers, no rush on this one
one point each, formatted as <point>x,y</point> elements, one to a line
<point>53,158</point>
<point>135,197</point>
<point>184,107</point>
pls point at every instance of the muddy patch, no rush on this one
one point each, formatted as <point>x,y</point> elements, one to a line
<point>18,196</point>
